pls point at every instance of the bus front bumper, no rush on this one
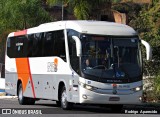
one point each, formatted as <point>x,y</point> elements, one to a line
<point>90,97</point>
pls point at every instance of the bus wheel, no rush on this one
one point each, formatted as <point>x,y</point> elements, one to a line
<point>64,103</point>
<point>22,100</point>
<point>31,101</point>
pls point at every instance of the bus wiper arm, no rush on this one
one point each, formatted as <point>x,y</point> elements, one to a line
<point>117,55</point>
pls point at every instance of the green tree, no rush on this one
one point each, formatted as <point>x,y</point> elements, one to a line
<point>147,25</point>
<point>18,15</point>
<point>157,86</point>
<point>81,8</point>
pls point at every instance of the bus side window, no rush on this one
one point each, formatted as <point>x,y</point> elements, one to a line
<point>20,46</point>
<point>11,47</point>
<point>60,45</point>
<point>74,60</point>
<point>35,45</point>
<point>73,56</point>
<point>54,44</point>
<point>48,44</point>
<point>17,47</point>
<point>30,44</point>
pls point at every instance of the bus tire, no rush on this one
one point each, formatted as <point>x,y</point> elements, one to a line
<point>30,101</point>
<point>65,105</point>
<point>21,99</point>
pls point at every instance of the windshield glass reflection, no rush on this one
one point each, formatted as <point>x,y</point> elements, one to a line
<point>104,57</point>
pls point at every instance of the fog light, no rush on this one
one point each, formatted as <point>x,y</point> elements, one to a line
<point>84,96</point>
<point>138,88</point>
<point>88,87</point>
<point>140,98</point>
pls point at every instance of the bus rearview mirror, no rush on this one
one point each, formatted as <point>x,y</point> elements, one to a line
<point>148,50</point>
<point>78,45</point>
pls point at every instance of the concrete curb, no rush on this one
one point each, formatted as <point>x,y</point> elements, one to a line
<point>2,94</point>
<point>8,97</point>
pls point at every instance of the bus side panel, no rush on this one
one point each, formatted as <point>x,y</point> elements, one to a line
<point>54,80</point>
<point>11,77</point>
<point>44,86</point>
<point>73,92</point>
<point>11,83</point>
<point>29,88</point>
<point>46,80</point>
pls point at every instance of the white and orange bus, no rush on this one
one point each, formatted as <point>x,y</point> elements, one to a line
<point>85,62</point>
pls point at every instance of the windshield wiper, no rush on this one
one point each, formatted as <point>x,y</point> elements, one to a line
<point>118,60</point>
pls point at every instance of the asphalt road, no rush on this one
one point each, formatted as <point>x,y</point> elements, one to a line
<point>48,108</point>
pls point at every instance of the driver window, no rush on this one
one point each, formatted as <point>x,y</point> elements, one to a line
<point>74,60</point>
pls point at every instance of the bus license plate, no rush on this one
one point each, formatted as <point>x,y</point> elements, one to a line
<point>114,99</point>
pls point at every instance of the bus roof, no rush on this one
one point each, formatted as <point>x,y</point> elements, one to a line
<point>101,27</point>
<point>84,26</point>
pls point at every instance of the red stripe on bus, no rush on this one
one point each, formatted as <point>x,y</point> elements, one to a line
<point>30,76</point>
<point>23,32</point>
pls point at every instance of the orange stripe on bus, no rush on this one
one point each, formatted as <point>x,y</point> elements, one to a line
<point>23,71</point>
<point>23,32</point>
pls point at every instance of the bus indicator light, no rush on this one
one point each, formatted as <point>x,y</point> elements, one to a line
<point>55,64</point>
<point>114,85</point>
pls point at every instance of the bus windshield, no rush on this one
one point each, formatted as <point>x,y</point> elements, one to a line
<point>109,58</point>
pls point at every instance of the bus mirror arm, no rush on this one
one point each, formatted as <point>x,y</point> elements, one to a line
<point>78,45</point>
<point>148,49</point>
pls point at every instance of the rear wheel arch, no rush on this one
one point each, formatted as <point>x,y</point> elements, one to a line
<point>18,83</point>
<point>22,99</point>
<point>60,86</point>
<point>64,102</point>
<point>62,96</point>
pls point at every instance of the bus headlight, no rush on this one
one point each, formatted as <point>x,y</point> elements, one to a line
<point>137,89</point>
<point>88,87</point>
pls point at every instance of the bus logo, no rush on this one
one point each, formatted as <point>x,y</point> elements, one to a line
<point>52,66</point>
